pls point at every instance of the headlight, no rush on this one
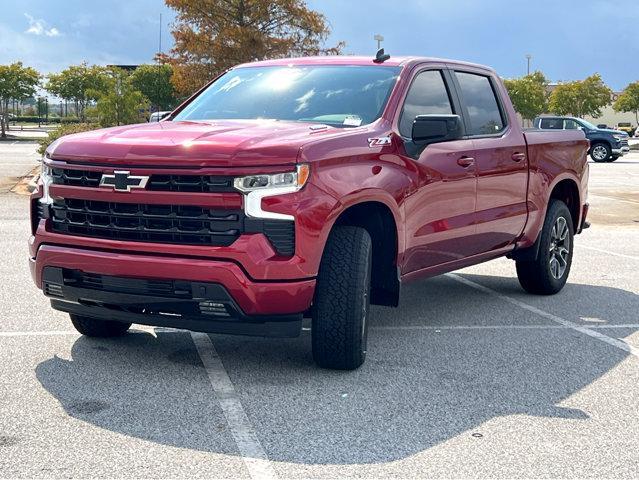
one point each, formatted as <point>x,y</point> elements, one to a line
<point>288,180</point>
<point>46,180</point>
<point>256,187</point>
<point>619,137</point>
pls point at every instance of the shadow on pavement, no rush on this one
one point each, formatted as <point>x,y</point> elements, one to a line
<point>417,388</point>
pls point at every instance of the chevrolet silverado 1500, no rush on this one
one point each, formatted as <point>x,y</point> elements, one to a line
<point>303,187</point>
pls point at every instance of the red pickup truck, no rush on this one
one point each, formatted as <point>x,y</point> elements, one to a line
<point>303,187</point>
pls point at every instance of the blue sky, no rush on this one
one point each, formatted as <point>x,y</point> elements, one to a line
<point>561,35</point>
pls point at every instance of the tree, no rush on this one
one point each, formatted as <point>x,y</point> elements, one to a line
<point>17,82</point>
<point>120,103</point>
<point>529,94</point>
<point>628,101</point>
<point>581,98</point>
<point>213,35</point>
<point>154,81</point>
<point>79,84</point>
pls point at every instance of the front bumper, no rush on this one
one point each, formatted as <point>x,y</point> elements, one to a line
<point>621,151</point>
<point>248,300</point>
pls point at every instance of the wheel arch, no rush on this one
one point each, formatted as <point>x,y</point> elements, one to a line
<point>567,190</point>
<point>381,219</point>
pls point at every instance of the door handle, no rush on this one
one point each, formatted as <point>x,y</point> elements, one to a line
<point>465,161</point>
<point>518,156</point>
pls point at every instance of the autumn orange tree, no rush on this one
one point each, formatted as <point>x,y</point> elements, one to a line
<point>213,35</point>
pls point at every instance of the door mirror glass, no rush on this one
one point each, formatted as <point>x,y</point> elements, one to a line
<point>429,129</point>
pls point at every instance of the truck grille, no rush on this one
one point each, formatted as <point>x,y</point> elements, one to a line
<point>147,223</point>
<point>161,183</point>
<point>187,225</point>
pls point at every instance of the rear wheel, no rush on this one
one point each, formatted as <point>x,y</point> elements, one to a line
<point>600,152</point>
<point>548,273</point>
<point>342,300</point>
<point>94,327</point>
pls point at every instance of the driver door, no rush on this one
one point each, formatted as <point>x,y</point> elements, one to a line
<point>440,210</point>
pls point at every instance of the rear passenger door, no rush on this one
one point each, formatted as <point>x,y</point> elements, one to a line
<point>499,150</point>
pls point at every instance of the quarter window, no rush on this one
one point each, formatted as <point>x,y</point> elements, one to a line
<point>481,103</point>
<point>427,96</point>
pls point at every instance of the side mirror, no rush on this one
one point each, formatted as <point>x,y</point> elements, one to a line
<point>429,129</point>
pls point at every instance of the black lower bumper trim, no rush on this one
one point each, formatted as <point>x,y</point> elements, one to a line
<point>197,306</point>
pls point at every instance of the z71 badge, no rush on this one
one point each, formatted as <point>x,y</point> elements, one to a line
<point>379,142</point>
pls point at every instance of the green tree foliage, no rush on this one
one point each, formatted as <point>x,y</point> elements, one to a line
<point>529,94</point>
<point>79,84</point>
<point>213,35</point>
<point>154,81</point>
<point>580,98</point>
<point>120,103</point>
<point>17,82</point>
<point>628,101</point>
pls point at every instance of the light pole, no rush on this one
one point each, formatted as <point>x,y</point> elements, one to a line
<point>528,57</point>
<point>379,39</point>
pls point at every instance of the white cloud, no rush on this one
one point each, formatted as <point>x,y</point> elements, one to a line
<point>39,27</point>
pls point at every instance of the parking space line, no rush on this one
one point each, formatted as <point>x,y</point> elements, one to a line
<point>253,454</point>
<point>622,255</point>
<point>495,327</point>
<point>579,328</point>
<point>38,333</point>
<point>624,200</point>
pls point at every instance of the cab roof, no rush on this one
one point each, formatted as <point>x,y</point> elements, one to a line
<point>356,60</point>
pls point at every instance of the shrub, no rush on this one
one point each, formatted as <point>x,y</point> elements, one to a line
<point>62,130</point>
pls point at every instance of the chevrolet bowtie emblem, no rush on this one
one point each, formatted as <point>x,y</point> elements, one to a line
<point>123,181</point>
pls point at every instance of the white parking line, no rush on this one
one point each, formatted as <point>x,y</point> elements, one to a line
<point>622,255</point>
<point>496,327</point>
<point>623,200</point>
<point>579,328</point>
<point>253,454</point>
<point>38,333</point>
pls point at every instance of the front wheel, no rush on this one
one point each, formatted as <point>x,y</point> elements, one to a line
<point>600,152</point>
<point>94,327</point>
<point>548,273</point>
<point>342,300</point>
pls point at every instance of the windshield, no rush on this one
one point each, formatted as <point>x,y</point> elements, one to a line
<point>344,96</point>
<point>588,125</point>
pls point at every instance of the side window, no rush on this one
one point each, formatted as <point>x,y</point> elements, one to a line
<point>551,123</point>
<point>480,100</point>
<point>427,95</point>
<point>571,125</point>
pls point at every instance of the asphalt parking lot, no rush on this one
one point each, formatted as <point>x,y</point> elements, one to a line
<point>469,377</point>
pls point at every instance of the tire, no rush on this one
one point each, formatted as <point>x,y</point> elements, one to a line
<point>613,158</point>
<point>600,152</point>
<point>339,326</point>
<point>548,273</point>
<point>93,327</point>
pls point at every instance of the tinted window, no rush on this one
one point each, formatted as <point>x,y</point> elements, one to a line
<point>479,97</point>
<point>343,96</point>
<point>571,125</point>
<point>427,95</point>
<point>551,123</point>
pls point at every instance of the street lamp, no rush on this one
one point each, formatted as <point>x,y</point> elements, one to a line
<point>528,57</point>
<point>379,39</point>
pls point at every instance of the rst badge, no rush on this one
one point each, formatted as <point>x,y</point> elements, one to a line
<point>123,181</point>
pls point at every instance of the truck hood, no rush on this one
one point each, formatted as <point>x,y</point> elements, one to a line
<point>610,131</point>
<point>232,143</point>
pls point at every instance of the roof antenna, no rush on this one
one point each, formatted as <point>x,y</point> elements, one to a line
<point>380,56</point>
